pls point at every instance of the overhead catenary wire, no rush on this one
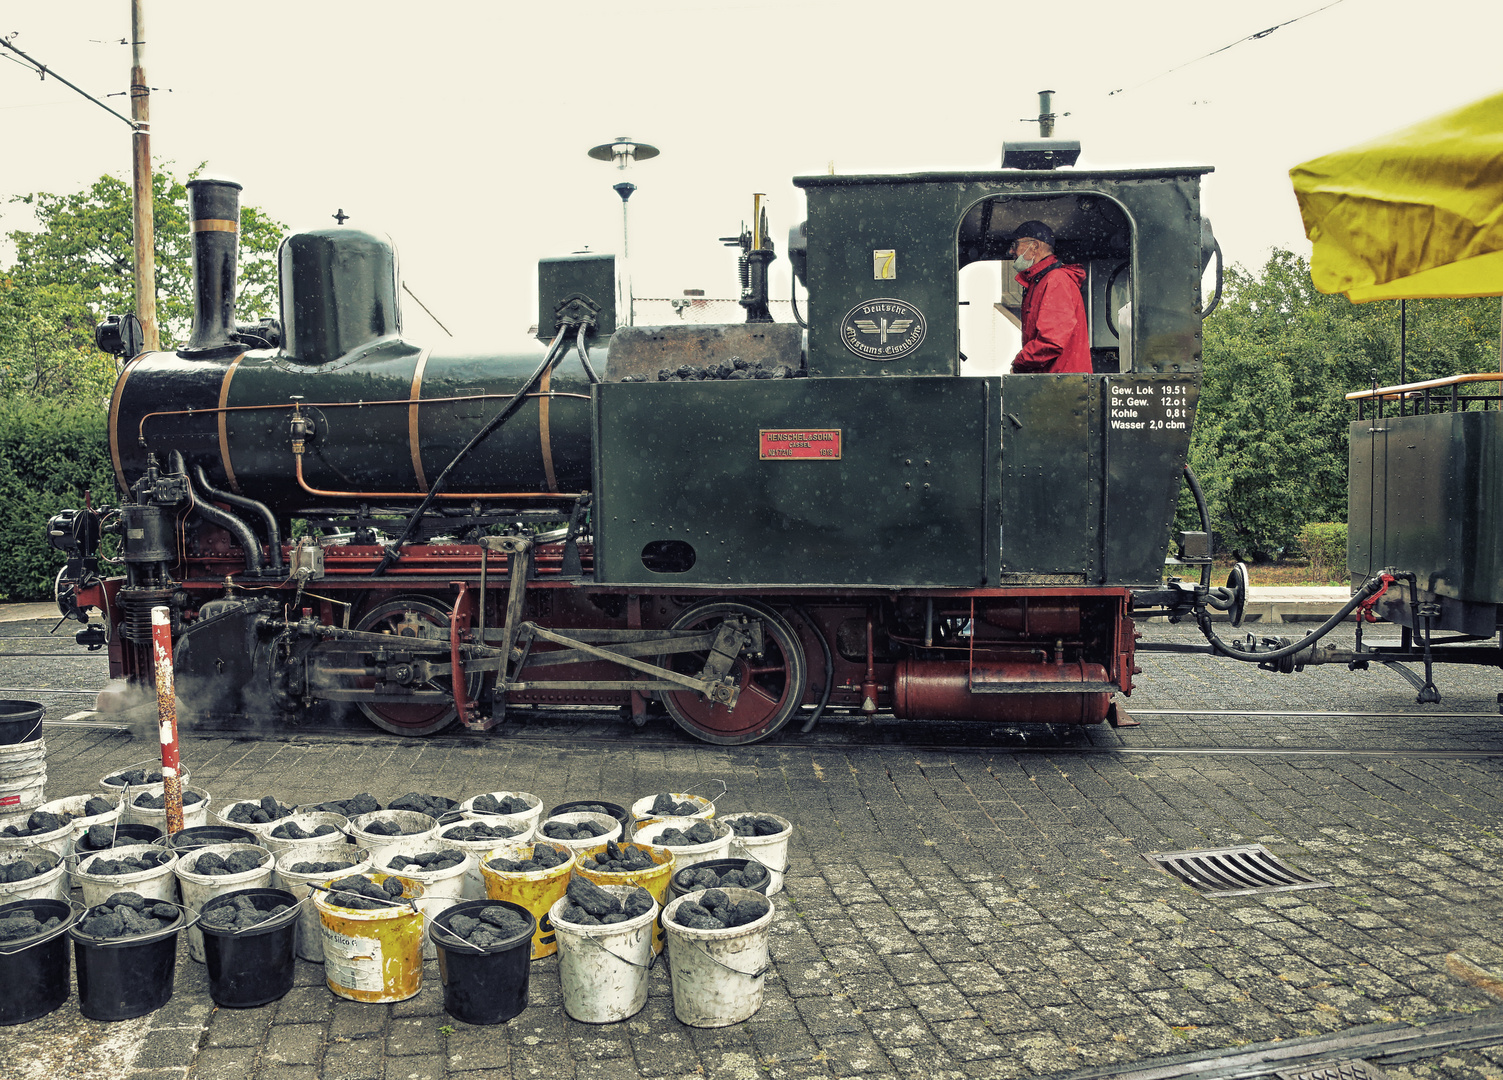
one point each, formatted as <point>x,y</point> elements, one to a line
<point>43,70</point>
<point>1250,37</point>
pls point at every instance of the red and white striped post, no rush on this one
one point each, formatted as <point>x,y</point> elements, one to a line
<point>172,784</point>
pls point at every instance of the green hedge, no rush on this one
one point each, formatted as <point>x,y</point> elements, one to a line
<point>50,453</point>
<point>1325,543</point>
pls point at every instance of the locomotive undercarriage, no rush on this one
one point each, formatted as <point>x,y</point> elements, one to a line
<point>461,631</point>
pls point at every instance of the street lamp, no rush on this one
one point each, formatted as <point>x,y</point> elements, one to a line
<point>622,151</point>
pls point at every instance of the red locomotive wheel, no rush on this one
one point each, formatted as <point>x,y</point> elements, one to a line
<point>412,616</point>
<point>772,684</point>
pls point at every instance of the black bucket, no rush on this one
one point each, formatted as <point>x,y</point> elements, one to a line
<point>123,834</point>
<point>20,721</point>
<point>620,813</point>
<point>483,984</point>
<point>676,888</point>
<point>34,971</point>
<point>121,978</point>
<point>204,835</point>
<point>254,966</point>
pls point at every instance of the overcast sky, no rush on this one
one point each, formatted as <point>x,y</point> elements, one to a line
<point>460,128</point>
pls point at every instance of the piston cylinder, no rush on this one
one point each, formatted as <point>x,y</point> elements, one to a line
<point>996,692</point>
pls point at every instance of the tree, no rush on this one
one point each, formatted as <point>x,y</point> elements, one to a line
<point>1270,441</point>
<point>85,240</point>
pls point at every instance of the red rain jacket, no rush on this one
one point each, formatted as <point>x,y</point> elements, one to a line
<point>1055,332</point>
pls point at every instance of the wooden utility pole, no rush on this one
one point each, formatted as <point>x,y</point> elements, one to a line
<point>145,231</point>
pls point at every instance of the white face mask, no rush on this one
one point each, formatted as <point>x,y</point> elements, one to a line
<point>1022,263</point>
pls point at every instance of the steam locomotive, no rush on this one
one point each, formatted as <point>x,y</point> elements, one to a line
<point>746,523</point>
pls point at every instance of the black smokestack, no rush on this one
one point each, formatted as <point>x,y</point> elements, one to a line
<point>214,206</point>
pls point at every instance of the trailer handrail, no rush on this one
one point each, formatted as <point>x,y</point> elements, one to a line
<point>1398,391</point>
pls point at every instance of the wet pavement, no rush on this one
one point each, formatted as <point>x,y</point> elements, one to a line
<point>952,910</point>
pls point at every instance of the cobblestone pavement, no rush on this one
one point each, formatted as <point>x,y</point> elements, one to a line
<point>950,911</point>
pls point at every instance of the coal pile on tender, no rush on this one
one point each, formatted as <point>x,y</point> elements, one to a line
<point>694,878</point>
<point>582,830</point>
<point>293,831</point>
<point>237,913</point>
<point>717,911</point>
<point>354,806</point>
<point>701,832</point>
<point>320,867</point>
<point>756,826</point>
<point>736,369</point>
<point>23,924</point>
<point>211,863</point>
<point>44,821</point>
<point>428,862</point>
<point>26,868</point>
<point>248,813</point>
<point>476,830</point>
<point>363,893</point>
<point>493,926</point>
<point>124,914</point>
<point>158,802</point>
<point>434,806</point>
<point>489,804</point>
<point>665,805</point>
<point>590,905</point>
<point>618,860</point>
<point>544,857</point>
<point>131,864</point>
<point>134,778</point>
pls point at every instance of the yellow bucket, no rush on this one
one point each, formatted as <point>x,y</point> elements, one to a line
<point>373,955</point>
<point>535,890</point>
<point>654,881</point>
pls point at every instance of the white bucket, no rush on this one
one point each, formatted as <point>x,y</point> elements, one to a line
<point>59,840</point>
<point>325,848</point>
<point>531,817</point>
<point>574,818</point>
<point>642,808</point>
<point>23,776</point>
<point>687,854</point>
<point>604,968</point>
<point>442,889</point>
<point>199,889</point>
<point>422,826</point>
<point>74,805</point>
<point>717,975</point>
<point>194,814</point>
<point>310,934</point>
<point>474,884</point>
<point>158,883</point>
<point>260,828</point>
<point>51,884</point>
<point>770,851</point>
<point>131,790</point>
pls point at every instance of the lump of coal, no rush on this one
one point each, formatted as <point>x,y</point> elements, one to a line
<point>239,862</point>
<point>124,914</point>
<point>351,807</point>
<point>745,911</point>
<point>696,917</point>
<point>23,924</point>
<point>639,902</point>
<point>134,778</point>
<point>99,837</point>
<point>476,830</point>
<point>714,899</point>
<point>362,893</point>
<point>293,831</point>
<point>592,898</point>
<point>24,870</point>
<point>248,813</point>
<point>433,805</point>
<point>505,920</point>
<point>40,821</point>
<point>618,860</point>
<point>544,857</point>
<point>583,830</point>
<point>131,864</point>
<point>238,913</point>
<point>158,802</point>
<point>320,867</point>
<point>701,832</point>
<point>489,804</point>
<point>96,806</point>
<point>756,826</point>
<point>665,805</point>
<point>428,862</point>
<point>382,828</point>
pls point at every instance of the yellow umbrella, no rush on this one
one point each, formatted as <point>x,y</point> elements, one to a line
<point>1417,213</point>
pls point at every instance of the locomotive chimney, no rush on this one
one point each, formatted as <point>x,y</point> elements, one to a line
<point>214,207</point>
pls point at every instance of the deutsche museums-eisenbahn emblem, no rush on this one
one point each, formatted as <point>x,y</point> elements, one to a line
<point>883,329</point>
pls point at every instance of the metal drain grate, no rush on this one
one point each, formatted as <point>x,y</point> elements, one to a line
<point>1333,1070</point>
<point>1234,871</point>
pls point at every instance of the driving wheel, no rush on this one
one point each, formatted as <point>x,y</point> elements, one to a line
<point>412,617</point>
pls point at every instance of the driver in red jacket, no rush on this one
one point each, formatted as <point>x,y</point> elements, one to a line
<point>1056,336</point>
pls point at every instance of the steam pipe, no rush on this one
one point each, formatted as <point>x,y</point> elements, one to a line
<point>273,532</point>
<point>214,206</point>
<point>223,518</point>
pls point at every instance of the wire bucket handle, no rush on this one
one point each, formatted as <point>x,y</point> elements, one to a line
<point>393,901</point>
<point>736,844</point>
<point>724,787</point>
<point>719,963</point>
<point>595,943</point>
